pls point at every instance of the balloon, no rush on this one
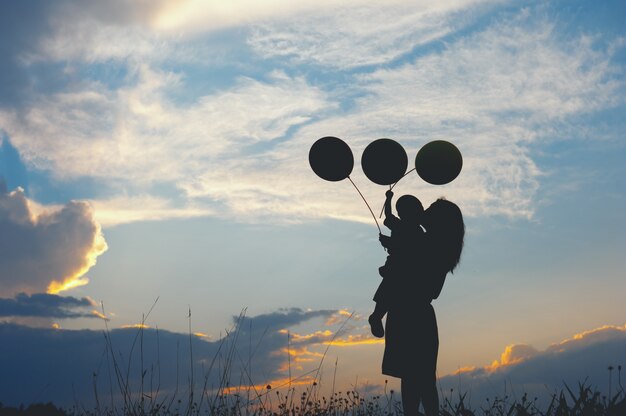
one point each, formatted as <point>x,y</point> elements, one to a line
<point>438,162</point>
<point>331,159</point>
<point>384,161</point>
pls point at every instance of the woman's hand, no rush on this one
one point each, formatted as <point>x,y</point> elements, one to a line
<point>389,194</point>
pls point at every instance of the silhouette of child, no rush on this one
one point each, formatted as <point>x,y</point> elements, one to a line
<point>403,245</point>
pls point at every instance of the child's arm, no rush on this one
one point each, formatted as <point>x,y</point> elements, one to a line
<point>390,219</point>
<point>389,196</point>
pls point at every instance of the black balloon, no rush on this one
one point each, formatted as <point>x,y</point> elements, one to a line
<point>438,162</point>
<point>331,159</point>
<point>384,161</point>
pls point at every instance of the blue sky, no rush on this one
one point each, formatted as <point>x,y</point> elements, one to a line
<point>159,149</point>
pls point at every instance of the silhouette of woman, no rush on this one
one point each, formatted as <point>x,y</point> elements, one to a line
<point>411,335</point>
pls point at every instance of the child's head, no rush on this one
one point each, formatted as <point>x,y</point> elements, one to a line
<point>409,208</point>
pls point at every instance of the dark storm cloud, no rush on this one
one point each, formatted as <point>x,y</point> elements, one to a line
<point>44,305</point>
<point>41,364</point>
<point>282,318</point>
<point>263,335</point>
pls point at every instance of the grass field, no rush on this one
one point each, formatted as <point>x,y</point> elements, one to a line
<point>582,401</point>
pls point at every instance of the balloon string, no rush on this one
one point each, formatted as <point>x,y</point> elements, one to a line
<point>368,205</point>
<point>391,188</point>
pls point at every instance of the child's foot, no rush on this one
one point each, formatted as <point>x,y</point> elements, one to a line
<point>376,326</point>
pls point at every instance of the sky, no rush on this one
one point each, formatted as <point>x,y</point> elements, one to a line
<point>154,170</point>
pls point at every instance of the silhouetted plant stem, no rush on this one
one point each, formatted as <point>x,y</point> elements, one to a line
<point>610,380</point>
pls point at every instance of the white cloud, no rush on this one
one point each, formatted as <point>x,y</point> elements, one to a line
<point>495,94</point>
<point>127,209</point>
<point>137,133</point>
<point>49,251</point>
<point>360,33</point>
<point>515,353</point>
<point>349,33</point>
<point>199,15</point>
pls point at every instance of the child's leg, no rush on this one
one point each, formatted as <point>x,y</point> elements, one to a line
<point>375,320</point>
<point>379,311</point>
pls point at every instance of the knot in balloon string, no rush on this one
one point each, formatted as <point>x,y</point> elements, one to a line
<point>391,189</point>
<point>368,205</point>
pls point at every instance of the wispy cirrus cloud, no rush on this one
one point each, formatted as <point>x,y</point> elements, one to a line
<point>136,132</point>
<point>361,33</point>
<point>127,209</point>
<point>154,141</point>
<point>496,101</point>
<point>496,94</point>
<point>277,29</point>
<point>500,92</point>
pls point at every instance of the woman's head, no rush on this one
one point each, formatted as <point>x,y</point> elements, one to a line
<point>446,230</point>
